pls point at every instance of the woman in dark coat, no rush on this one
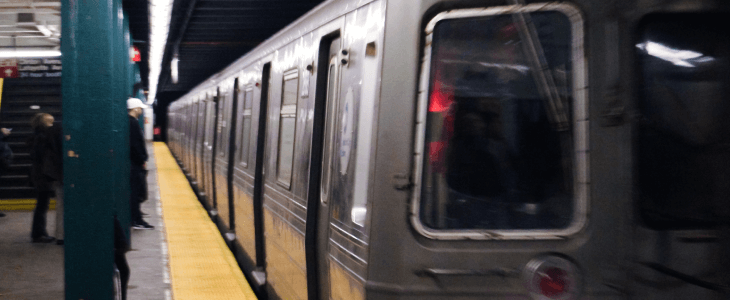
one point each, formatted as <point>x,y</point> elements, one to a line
<point>46,172</point>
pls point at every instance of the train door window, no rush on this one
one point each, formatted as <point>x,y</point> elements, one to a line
<point>222,127</point>
<point>287,127</point>
<point>245,125</point>
<point>500,133</point>
<point>329,133</point>
<point>684,160</point>
<point>209,117</point>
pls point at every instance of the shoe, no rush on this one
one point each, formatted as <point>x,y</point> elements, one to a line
<point>44,239</point>
<point>143,225</point>
<point>2,214</point>
<point>59,242</point>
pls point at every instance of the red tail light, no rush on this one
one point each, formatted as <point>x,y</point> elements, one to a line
<point>552,277</point>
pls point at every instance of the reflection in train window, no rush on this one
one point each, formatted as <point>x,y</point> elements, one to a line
<point>684,129</point>
<point>286,127</point>
<point>499,150</point>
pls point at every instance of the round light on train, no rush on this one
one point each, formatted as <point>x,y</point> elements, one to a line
<point>552,277</point>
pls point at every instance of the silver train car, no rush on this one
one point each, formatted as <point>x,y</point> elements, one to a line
<point>463,149</point>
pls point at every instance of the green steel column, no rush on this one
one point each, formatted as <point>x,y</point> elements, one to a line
<point>93,151</point>
<point>121,162</point>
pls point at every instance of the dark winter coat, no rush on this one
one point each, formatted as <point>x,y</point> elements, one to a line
<point>6,154</point>
<point>137,150</point>
<point>46,157</point>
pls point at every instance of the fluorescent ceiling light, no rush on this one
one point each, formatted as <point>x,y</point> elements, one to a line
<point>173,68</point>
<point>160,11</point>
<point>30,53</point>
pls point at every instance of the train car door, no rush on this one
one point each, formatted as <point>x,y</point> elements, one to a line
<point>221,175</point>
<point>326,119</point>
<point>194,138</point>
<point>682,240</point>
<point>199,141</point>
<point>210,114</point>
<point>198,182</point>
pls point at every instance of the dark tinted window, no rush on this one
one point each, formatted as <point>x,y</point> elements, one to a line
<point>684,129</point>
<point>499,128</point>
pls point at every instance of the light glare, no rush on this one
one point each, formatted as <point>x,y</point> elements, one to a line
<point>682,58</point>
<point>30,53</point>
<point>160,11</point>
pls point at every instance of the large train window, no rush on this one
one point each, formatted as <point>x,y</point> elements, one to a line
<point>684,129</point>
<point>287,126</point>
<point>247,96</point>
<point>503,119</point>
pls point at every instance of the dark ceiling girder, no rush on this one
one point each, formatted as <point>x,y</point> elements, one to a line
<point>173,49</point>
<point>185,22</point>
<point>208,35</point>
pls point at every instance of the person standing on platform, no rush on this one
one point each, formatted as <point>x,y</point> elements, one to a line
<point>53,169</point>
<point>138,157</point>
<point>45,172</point>
<point>6,154</point>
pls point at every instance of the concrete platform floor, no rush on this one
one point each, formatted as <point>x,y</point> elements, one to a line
<point>31,271</point>
<point>28,271</point>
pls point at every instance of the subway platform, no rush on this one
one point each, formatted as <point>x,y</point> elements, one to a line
<point>183,257</point>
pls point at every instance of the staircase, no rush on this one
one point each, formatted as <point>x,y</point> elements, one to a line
<point>21,99</point>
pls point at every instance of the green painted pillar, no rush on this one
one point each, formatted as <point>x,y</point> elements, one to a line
<point>95,145</point>
<point>122,88</point>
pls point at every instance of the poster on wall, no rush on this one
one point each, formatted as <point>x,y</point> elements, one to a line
<point>30,67</point>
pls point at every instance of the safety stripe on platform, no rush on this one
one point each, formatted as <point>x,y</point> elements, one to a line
<point>201,265</point>
<point>23,204</point>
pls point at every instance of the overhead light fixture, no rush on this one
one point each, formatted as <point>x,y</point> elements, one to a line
<point>160,11</point>
<point>29,53</point>
<point>173,67</point>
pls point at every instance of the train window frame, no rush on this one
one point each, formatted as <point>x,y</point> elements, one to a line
<point>246,113</point>
<point>580,121</point>
<point>288,111</point>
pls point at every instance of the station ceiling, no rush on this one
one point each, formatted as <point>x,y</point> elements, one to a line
<point>30,25</point>
<point>208,35</point>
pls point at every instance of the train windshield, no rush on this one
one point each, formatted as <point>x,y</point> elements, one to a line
<point>684,128</point>
<point>499,135</point>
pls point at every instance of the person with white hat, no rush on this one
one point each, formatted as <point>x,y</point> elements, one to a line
<point>138,157</point>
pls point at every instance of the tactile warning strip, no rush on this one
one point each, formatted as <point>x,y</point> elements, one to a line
<point>201,265</point>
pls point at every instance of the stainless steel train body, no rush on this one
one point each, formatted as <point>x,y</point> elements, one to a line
<point>426,149</point>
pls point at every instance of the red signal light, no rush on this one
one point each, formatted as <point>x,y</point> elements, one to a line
<point>552,282</point>
<point>135,55</point>
<point>553,277</point>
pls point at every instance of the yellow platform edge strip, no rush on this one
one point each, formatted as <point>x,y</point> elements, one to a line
<point>22,204</point>
<point>201,265</point>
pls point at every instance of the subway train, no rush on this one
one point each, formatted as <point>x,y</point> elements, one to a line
<point>463,149</point>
